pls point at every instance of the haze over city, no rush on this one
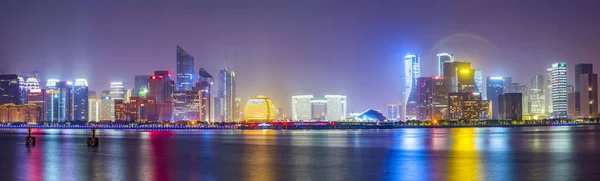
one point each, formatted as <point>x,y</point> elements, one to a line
<point>280,49</point>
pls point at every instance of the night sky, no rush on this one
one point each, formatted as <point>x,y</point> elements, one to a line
<point>283,48</point>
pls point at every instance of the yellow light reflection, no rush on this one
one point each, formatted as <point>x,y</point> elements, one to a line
<point>464,163</point>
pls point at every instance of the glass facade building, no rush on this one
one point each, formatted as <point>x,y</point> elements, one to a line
<point>140,88</point>
<point>185,70</point>
<point>80,100</point>
<point>495,87</point>
<point>559,89</point>
<point>409,94</point>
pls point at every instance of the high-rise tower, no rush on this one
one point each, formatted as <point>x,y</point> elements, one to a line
<point>559,89</point>
<point>185,70</point>
<point>409,88</point>
<point>204,85</point>
<point>441,59</point>
<point>80,100</point>
<point>225,106</point>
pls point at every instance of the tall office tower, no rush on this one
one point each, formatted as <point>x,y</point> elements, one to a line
<point>572,112</point>
<point>468,106</point>
<point>141,86</point>
<point>226,95</point>
<point>80,100</point>
<point>128,95</point>
<point>65,101</point>
<point>336,107</point>
<point>185,70</point>
<point>301,107</point>
<point>441,59</point>
<point>495,87</point>
<point>424,98</point>
<point>107,107</point>
<point>186,104</point>
<point>526,101</point>
<point>460,76</point>
<point>479,81</point>
<point>9,89</point>
<point>536,95</point>
<point>392,112</point>
<point>510,86</point>
<point>559,89</point>
<point>409,94</point>
<point>319,110</point>
<point>548,92</point>
<point>583,68</point>
<point>117,90</point>
<point>52,99</point>
<point>439,98</point>
<point>204,85</point>
<point>38,97</point>
<point>93,107</point>
<point>589,95</point>
<point>511,106</point>
<point>161,86</point>
<point>22,91</point>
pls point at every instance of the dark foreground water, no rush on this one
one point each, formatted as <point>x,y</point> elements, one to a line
<point>534,153</point>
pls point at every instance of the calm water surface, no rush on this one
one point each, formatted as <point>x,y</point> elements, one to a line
<point>533,153</point>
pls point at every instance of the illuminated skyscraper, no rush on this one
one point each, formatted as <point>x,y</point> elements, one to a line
<point>141,86</point>
<point>559,89</point>
<point>9,89</point>
<point>336,107</point>
<point>495,87</point>
<point>526,101</point>
<point>107,107</point>
<point>589,95</point>
<point>479,81</point>
<point>536,95</point>
<point>185,70</point>
<point>93,107</point>
<point>23,91</point>
<point>301,107</point>
<point>409,94</point>
<point>38,97</point>
<point>204,85</point>
<point>65,101</point>
<point>439,98</point>
<point>117,90</point>
<point>392,112</point>
<point>186,104</point>
<point>80,100</point>
<point>441,59</point>
<point>52,99</point>
<point>424,98</point>
<point>161,86</point>
<point>583,68</point>
<point>548,92</point>
<point>460,76</point>
<point>225,104</point>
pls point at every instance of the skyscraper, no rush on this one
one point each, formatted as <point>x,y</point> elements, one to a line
<point>559,89</point>
<point>107,107</point>
<point>93,107</point>
<point>424,98</point>
<point>409,94</point>
<point>9,89</point>
<point>227,110</point>
<point>460,76</point>
<point>38,97</point>
<point>583,68</point>
<point>52,100</point>
<point>204,85</point>
<point>336,107</point>
<point>511,106</point>
<point>495,87</point>
<point>478,80</point>
<point>525,96</point>
<point>65,101</point>
<point>392,112</point>
<point>302,107</point>
<point>536,95</point>
<point>439,98</point>
<point>186,104</point>
<point>117,90</point>
<point>589,95</point>
<point>80,100</point>
<point>441,59</point>
<point>23,91</point>
<point>161,86</point>
<point>141,86</point>
<point>548,92</point>
<point>185,70</point>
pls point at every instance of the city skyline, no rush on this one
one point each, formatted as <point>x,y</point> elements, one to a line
<point>270,62</point>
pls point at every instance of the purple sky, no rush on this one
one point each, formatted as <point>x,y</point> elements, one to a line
<point>282,48</point>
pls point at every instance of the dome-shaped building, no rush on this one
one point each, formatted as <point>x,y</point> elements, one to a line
<point>260,109</point>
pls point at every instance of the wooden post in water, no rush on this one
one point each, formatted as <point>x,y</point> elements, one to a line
<point>92,141</point>
<point>29,140</point>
